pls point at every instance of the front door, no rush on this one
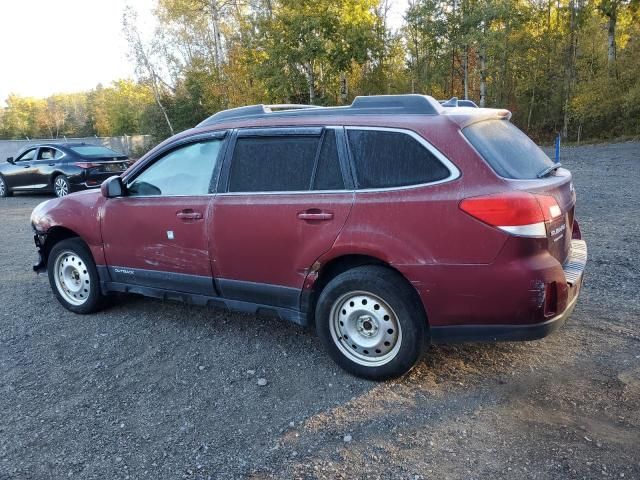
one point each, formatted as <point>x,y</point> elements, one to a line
<point>283,205</point>
<point>156,234</point>
<point>20,174</point>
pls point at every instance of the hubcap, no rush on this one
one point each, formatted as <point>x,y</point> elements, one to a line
<point>2,187</point>
<point>365,328</point>
<point>72,278</point>
<point>61,187</point>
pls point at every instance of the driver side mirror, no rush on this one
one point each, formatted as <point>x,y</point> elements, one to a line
<point>112,187</point>
<point>10,160</point>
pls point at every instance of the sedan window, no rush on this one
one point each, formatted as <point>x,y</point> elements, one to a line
<point>184,171</point>
<point>26,156</point>
<point>47,153</point>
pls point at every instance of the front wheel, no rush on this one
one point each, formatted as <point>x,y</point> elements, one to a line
<point>4,188</point>
<point>371,322</point>
<point>73,276</point>
<point>61,186</point>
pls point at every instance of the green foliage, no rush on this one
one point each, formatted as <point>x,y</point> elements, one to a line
<point>558,65</point>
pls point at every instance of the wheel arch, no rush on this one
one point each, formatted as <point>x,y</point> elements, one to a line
<point>342,263</point>
<point>55,235</point>
<point>54,175</point>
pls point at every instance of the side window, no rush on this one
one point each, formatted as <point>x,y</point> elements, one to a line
<point>328,175</point>
<point>46,153</point>
<point>186,170</point>
<point>26,156</point>
<point>387,159</point>
<point>273,164</point>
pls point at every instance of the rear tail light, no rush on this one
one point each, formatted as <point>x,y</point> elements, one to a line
<point>518,213</point>
<point>86,164</point>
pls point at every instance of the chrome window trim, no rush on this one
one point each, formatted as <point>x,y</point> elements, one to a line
<point>454,172</point>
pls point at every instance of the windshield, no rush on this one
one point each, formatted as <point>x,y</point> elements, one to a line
<point>507,149</point>
<point>95,151</point>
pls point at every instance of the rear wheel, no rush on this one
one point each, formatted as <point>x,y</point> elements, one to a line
<point>4,188</point>
<point>371,322</point>
<point>74,278</point>
<point>61,186</point>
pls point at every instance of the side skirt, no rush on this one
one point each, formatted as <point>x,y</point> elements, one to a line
<point>288,314</point>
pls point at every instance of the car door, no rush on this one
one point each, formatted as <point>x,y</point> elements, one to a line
<point>43,166</point>
<point>284,197</point>
<point>18,176</point>
<point>156,235</point>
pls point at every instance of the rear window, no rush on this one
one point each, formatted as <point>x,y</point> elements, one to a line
<point>507,149</point>
<point>273,164</point>
<point>95,151</point>
<point>387,159</point>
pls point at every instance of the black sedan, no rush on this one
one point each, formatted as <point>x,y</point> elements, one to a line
<point>60,168</point>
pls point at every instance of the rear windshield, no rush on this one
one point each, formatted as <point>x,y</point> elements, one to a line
<point>95,151</point>
<point>507,149</point>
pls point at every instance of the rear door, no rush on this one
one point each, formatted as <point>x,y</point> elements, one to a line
<point>46,161</point>
<point>157,234</point>
<point>284,197</point>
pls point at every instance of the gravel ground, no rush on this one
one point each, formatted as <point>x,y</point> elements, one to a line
<point>152,389</point>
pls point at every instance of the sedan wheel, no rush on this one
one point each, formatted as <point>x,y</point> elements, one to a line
<point>61,186</point>
<point>4,189</point>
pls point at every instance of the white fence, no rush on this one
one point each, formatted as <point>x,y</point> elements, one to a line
<point>126,144</point>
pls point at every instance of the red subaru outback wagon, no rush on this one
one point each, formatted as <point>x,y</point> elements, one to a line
<point>390,223</point>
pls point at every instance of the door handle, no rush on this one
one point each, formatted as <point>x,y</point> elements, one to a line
<point>52,164</point>
<point>26,166</point>
<point>315,214</point>
<point>188,215</point>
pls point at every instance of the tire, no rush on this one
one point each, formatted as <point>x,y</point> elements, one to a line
<point>74,278</point>
<point>372,323</point>
<point>61,186</point>
<point>4,189</point>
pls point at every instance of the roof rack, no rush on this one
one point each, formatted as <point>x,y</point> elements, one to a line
<point>376,104</point>
<point>454,102</point>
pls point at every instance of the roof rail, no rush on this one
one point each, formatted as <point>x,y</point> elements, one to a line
<point>454,102</point>
<point>375,104</point>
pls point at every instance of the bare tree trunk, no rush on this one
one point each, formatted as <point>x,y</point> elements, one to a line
<point>344,91</point>
<point>483,76</point>
<point>533,101</point>
<point>571,62</point>
<point>156,95</point>
<point>311,81</point>
<point>611,39</point>
<point>465,60</point>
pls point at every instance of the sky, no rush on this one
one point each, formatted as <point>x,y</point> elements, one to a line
<point>52,46</point>
<point>62,46</point>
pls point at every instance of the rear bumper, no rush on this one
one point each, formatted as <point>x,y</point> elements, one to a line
<point>503,333</point>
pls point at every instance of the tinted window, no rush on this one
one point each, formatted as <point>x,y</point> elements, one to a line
<point>273,164</point>
<point>184,171</point>
<point>385,159</point>
<point>328,175</point>
<point>507,149</point>
<point>95,151</point>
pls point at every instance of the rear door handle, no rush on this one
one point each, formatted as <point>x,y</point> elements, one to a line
<point>315,215</point>
<point>188,215</point>
<point>52,164</point>
<point>26,166</point>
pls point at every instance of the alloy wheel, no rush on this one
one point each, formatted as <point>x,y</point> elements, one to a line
<point>61,186</point>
